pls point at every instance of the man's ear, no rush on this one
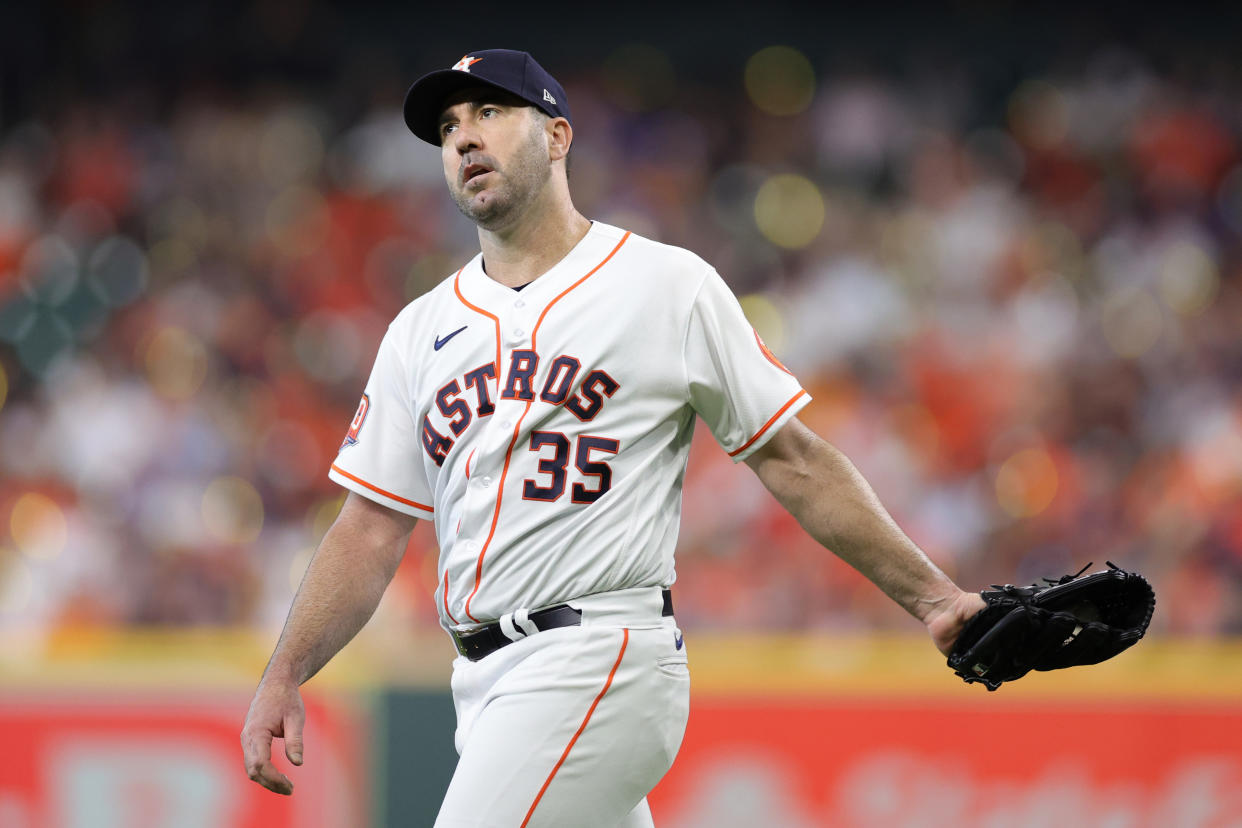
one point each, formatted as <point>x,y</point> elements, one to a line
<point>560,136</point>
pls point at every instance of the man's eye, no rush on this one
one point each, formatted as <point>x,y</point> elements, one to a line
<point>484,112</point>
<point>447,128</point>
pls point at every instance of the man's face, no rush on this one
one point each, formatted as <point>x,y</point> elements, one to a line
<point>495,155</point>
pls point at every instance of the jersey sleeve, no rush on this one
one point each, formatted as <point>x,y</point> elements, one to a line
<point>381,458</point>
<point>739,388</point>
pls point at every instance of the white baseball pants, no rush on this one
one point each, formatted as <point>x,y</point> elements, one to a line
<point>570,728</point>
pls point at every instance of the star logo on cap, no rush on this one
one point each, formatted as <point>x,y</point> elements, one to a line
<point>465,63</point>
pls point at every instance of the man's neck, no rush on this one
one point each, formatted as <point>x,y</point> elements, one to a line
<point>525,251</point>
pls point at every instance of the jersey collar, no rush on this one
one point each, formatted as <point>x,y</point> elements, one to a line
<point>480,289</point>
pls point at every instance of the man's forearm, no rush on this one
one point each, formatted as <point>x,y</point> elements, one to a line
<point>832,501</point>
<point>338,595</point>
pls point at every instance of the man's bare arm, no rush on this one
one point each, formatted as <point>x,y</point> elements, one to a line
<point>343,584</point>
<point>347,576</point>
<point>832,501</point>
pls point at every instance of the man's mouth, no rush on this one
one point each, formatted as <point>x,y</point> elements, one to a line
<point>472,171</point>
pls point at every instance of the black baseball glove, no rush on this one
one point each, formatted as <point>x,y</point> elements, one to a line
<point>1079,619</point>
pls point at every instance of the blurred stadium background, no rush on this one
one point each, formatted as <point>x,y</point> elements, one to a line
<point>1002,248</point>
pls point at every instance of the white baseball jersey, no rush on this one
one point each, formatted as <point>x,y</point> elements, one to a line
<point>546,430</point>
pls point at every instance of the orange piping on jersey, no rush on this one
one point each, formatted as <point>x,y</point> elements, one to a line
<point>397,498</point>
<point>561,295</point>
<point>768,424</point>
<point>445,594</point>
<point>517,428</point>
<point>495,319</point>
<point>624,641</point>
<point>468,459</point>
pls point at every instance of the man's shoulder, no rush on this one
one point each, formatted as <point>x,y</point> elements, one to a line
<point>666,257</point>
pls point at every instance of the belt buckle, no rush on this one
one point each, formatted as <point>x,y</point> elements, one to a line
<point>457,642</point>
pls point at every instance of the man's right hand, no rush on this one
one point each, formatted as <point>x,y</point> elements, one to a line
<point>275,711</point>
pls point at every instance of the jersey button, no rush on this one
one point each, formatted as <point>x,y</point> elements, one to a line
<point>519,304</point>
<point>518,332</point>
<point>487,481</point>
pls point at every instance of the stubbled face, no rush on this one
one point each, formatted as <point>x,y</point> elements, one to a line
<point>495,155</point>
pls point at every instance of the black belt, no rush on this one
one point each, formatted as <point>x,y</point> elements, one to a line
<point>484,641</point>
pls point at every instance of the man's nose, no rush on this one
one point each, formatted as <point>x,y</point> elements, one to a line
<point>466,138</point>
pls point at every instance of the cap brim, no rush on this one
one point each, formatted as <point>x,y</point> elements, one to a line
<point>425,100</point>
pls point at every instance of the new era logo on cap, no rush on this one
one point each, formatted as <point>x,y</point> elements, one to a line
<point>511,71</point>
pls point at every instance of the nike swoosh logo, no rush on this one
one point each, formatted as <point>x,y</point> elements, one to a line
<point>441,342</point>
<point>679,642</point>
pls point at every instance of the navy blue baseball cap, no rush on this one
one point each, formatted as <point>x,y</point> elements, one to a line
<point>515,72</point>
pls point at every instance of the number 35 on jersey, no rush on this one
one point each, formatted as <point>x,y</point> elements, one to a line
<point>582,393</point>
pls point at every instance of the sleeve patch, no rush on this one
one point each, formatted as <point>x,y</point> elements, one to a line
<point>763,346</point>
<point>351,438</point>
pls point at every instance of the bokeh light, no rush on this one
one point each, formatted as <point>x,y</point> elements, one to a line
<point>43,340</point>
<point>766,318</point>
<point>38,526</point>
<point>1026,483</point>
<point>232,510</point>
<point>1052,246</point>
<point>789,211</point>
<point>176,363</point>
<point>179,218</point>
<point>322,514</point>
<point>4,387</point>
<point>327,346</point>
<point>1189,279</point>
<point>118,271</point>
<point>1131,321</point>
<point>179,231</point>
<point>16,318</point>
<point>780,80</point>
<point>50,270</point>
<point>169,257</point>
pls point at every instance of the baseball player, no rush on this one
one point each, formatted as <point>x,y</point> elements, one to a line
<point>538,406</point>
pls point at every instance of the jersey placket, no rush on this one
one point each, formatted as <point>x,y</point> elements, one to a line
<point>482,524</point>
<point>488,463</point>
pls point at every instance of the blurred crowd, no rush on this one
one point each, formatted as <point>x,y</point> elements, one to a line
<point>1020,316</point>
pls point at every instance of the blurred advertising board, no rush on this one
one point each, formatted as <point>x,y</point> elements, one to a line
<point>891,763</point>
<point>149,759</point>
<point>141,731</point>
<point>869,732</point>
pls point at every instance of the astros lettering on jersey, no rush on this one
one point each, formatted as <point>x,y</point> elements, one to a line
<point>552,424</point>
